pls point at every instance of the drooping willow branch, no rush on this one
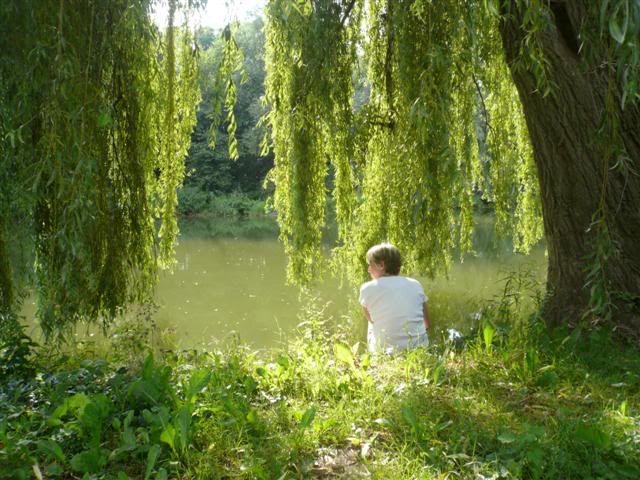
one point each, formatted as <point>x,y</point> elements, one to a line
<point>413,148</point>
<point>101,115</point>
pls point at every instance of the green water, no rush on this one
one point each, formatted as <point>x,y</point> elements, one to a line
<point>229,282</point>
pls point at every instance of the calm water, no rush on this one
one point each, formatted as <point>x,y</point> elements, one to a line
<point>230,282</point>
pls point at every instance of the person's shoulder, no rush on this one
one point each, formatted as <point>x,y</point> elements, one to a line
<point>413,282</point>
<point>368,285</point>
<point>368,290</point>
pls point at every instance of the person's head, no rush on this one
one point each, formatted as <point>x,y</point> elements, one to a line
<point>384,260</point>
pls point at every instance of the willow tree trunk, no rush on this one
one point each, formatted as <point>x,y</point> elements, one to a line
<point>580,174</point>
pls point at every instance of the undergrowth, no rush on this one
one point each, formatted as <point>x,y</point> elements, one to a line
<point>516,401</point>
<point>195,202</point>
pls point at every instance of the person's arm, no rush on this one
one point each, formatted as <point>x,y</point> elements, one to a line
<point>425,314</point>
<point>366,313</point>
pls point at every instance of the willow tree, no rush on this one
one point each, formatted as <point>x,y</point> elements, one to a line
<point>555,84</point>
<point>96,112</point>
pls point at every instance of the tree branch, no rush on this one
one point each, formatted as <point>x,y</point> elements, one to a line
<point>347,12</point>
<point>484,106</point>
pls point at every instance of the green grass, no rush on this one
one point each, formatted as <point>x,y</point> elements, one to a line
<point>516,402</point>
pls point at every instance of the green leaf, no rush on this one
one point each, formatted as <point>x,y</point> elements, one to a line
<point>593,435</point>
<point>283,361</point>
<point>535,455</point>
<point>60,411</point>
<point>168,436</point>
<point>116,424</point>
<point>624,408</point>
<point>343,354</point>
<point>89,461</point>
<point>128,442</point>
<point>148,367</point>
<point>365,360</point>
<point>307,417</point>
<point>152,457</point>
<point>52,449</point>
<point>252,416</point>
<point>437,374</point>
<point>507,437</point>
<point>94,416</point>
<point>77,403</point>
<point>183,419</point>
<point>487,334</point>
<point>198,381</point>
<point>618,26</point>
<point>128,419</point>
<point>410,417</point>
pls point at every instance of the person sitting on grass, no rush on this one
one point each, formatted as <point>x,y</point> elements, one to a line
<point>395,306</point>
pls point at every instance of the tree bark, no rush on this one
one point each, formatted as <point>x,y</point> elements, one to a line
<point>573,167</point>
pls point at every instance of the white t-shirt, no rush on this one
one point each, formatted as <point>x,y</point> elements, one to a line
<point>395,304</point>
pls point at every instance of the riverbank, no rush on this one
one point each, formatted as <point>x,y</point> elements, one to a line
<point>196,203</point>
<point>515,402</point>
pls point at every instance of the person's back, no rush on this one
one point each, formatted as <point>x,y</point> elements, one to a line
<point>394,305</point>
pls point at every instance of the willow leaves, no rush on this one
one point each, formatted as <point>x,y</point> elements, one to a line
<point>308,85</point>
<point>408,165</point>
<point>104,104</point>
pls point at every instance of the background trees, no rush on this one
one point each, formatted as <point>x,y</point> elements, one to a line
<point>211,168</point>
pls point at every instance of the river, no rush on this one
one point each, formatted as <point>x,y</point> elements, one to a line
<point>229,284</point>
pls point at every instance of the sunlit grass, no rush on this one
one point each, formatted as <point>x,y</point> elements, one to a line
<point>517,403</point>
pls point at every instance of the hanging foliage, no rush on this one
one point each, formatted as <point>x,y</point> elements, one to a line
<point>229,73</point>
<point>532,105</point>
<point>177,96</point>
<point>97,110</point>
<point>408,164</point>
<point>309,54</point>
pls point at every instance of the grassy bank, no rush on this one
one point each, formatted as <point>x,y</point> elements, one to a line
<point>515,402</point>
<point>193,202</point>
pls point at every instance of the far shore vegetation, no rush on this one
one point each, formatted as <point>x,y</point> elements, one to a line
<point>195,203</point>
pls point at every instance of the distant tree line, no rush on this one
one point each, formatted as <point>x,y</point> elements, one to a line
<point>211,172</point>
